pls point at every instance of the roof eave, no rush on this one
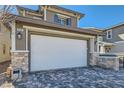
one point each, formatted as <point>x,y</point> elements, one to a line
<point>47,24</point>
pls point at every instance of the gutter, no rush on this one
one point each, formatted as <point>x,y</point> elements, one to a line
<point>53,25</point>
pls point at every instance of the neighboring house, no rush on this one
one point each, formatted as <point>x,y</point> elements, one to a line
<point>49,38</point>
<point>4,44</point>
<point>113,40</point>
<point>98,39</point>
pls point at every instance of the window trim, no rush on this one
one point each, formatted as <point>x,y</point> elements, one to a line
<point>61,18</point>
<point>109,34</point>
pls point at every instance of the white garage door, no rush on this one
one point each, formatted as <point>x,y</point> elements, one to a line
<point>54,53</point>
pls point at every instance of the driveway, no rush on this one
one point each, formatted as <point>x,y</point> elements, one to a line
<point>72,78</point>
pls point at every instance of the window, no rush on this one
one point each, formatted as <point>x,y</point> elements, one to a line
<point>107,49</point>
<point>68,21</point>
<point>56,18</point>
<point>62,20</point>
<point>109,34</point>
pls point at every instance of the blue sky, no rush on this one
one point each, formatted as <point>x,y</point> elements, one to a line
<point>99,16</point>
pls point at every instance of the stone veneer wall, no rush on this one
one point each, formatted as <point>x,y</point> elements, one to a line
<point>19,60</point>
<point>109,62</point>
<point>104,62</point>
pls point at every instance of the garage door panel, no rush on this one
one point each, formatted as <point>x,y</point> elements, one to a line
<point>54,52</point>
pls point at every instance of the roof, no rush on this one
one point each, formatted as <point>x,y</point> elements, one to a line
<point>53,6</point>
<point>68,10</point>
<point>114,26</point>
<point>28,9</point>
<point>53,25</point>
<point>93,28</point>
<point>106,43</point>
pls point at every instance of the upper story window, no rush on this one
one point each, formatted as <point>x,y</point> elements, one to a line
<point>62,20</point>
<point>109,34</point>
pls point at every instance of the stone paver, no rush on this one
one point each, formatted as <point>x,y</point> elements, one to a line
<point>72,78</point>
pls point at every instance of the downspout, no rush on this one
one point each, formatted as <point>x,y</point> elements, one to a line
<point>78,18</point>
<point>45,13</point>
<point>98,44</point>
<point>13,36</point>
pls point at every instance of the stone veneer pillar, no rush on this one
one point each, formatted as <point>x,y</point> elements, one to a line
<point>93,59</point>
<point>19,60</point>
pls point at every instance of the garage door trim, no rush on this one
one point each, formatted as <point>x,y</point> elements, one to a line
<point>40,34</point>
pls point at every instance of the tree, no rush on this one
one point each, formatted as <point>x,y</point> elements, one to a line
<point>5,12</point>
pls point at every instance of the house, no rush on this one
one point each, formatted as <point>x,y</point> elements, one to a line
<point>113,40</point>
<point>4,44</point>
<point>49,38</point>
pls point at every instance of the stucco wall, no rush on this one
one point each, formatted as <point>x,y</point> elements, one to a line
<point>4,41</point>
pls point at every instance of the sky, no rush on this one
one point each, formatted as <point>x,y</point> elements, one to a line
<point>98,16</point>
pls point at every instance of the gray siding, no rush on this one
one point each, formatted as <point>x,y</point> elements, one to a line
<point>115,32</point>
<point>118,48</point>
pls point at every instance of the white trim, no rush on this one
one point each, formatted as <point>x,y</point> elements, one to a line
<point>26,39</point>
<point>92,45</point>
<point>118,54</point>
<point>98,50</point>
<point>61,15</point>
<point>45,14</point>
<point>13,36</point>
<point>107,57</point>
<point>110,33</point>
<point>19,51</point>
<point>119,42</point>
<point>24,12</point>
<point>77,22</point>
<point>57,32</point>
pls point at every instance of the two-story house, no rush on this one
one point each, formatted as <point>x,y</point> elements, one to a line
<point>48,38</point>
<point>113,40</point>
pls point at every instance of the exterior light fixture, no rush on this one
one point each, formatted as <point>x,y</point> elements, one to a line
<point>19,35</point>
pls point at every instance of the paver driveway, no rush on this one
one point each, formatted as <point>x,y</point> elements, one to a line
<point>74,77</point>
